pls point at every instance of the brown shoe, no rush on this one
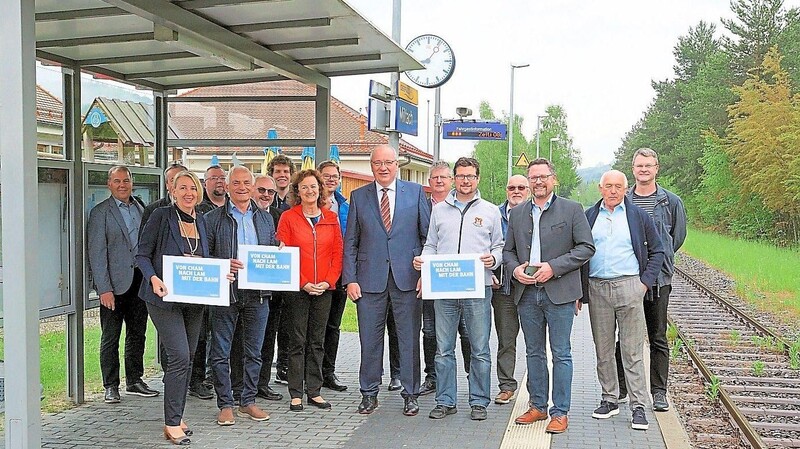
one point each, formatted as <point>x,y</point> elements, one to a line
<point>531,416</point>
<point>504,397</point>
<point>253,412</point>
<point>558,424</point>
<point>225,417</point>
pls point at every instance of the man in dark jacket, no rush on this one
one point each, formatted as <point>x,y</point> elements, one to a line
<point>238,222</point>
<point>668,212</point>
<point>624,267</point>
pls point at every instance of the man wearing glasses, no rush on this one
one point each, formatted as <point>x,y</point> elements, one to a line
<point>215,191</point>
<point>547,241</point>
<point>386,227</point>
<point>464,224</point>
<point>264,196</point>
<point>441,182</point>
<point>668,212</point>
<point>331,179</point>
<point>506,317</point>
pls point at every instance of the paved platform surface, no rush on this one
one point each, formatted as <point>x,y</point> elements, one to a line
<point>137,422</point>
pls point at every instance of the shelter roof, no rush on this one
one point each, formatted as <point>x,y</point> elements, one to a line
<point>174,44</point>
<point>133,122</point>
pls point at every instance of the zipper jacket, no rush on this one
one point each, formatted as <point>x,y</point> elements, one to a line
<point>321,245</point>
<point>477,229</point>
<point>221,228</point>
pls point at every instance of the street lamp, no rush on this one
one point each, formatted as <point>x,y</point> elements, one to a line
<point>511,118</point>
<point>552,139</point>
<point>538,122</point>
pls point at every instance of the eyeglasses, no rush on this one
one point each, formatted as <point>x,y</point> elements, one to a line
<point>647,166</point>
<point>466,177</point>
<point>542,178</point>
<point>215,178</point>
<point>379,164</point>
<point>330,177</point>
<point>513,188</point>
<point>263,190</point>
<point>440,178</point>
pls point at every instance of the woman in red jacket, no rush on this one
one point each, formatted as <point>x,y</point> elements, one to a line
<point>315,230</point>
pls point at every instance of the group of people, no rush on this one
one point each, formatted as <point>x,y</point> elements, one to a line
<point>543,256</point>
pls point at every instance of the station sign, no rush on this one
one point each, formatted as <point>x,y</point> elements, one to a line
<point>459,130</point>
<point>407,93</point>
<point>405,117</point>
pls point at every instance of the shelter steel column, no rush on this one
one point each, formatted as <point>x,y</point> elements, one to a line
<point>18,172</point>
<point>72,151</point>
<point>322,124</point>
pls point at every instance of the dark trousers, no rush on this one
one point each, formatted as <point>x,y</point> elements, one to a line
<point>284,329</point>
<point>178,329</point>
<point>407,313</point>
<point>271,333</point>
<point>429,340</point>
<point>655,317</point>
<point>506,323</point>
<point>394,350</point>
<point>333,330</point>
<point>131,310</point>
<point>200,367</point>
<point>254,312</point>
<point>307,316</point>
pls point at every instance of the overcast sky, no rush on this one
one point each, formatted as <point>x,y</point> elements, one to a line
<point>595,58</point>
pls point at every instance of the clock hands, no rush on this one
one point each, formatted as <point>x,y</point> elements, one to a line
<point>428,59</point>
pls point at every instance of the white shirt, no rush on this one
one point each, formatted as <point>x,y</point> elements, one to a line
<point>391,193</point>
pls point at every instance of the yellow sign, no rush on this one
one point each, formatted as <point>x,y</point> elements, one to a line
<point>408,93</point>
<point>522,161</point>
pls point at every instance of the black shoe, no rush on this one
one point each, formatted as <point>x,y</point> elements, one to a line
<point>411,407</point>
<point>428,387</point>
<point>199,390</point>
<point>332,382</point>
<point>639,420</point>
<point>324,405</point>
<point>269,394</point>
<point>141,389</point>
<point>606,410</point>
<point>660,403</point>
<point>440,411</point>
<point>111,396</point>
<point>395,384</point>
<point>478,413</point>
<point>281,377</point>
<point>368,405</point>
<point>296,407</point>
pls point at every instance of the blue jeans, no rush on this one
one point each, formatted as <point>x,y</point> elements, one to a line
<point>254,312</point>
<point>429,340</point>
<point>477,313</point>
<point>539,315</point>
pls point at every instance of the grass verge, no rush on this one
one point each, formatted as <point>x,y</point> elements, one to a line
<point>767,276</point>
<point>53,362</point>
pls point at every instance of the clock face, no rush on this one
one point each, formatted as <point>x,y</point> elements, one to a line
<point>437,57</point>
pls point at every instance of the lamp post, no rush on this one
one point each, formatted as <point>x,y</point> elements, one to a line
<point>552,139</point>
<point>538,122</point>
<point>511,118</point>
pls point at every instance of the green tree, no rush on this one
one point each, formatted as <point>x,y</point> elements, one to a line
<point>757,26</point>
<point>493,157</point>
<point>566,157</point>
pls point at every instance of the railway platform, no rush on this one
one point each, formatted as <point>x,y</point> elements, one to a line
<point>137,422</point>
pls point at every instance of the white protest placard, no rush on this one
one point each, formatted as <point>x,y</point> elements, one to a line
<point>453,276</point>
<point>269,268</point>
<point>197,280</point>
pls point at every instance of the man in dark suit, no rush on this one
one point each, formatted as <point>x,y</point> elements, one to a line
<point>547,241</point>
<point>112,240</point>
<point>386,227</point>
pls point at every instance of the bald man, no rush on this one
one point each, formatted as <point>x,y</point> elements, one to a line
<point>625,266</point>
<point>506,317</point>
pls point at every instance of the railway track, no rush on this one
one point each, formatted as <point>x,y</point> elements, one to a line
<point>751,370</point>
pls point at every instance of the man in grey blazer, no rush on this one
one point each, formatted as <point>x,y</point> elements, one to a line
<point>113,237</point>
<point>547,241</point>
<point>386,227</point>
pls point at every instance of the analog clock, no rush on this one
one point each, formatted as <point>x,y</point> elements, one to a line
<point>436,55</point>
